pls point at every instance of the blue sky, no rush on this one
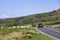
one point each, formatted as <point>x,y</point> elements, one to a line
<point>18,8</point>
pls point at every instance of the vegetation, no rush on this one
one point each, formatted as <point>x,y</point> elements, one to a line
<point>47,18</point>
<point>56,26</point>
<point>52,22</point>
<point>22,34</point>
<point>50,17</point>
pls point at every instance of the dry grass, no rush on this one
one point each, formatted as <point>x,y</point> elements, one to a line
<point>21,34</point>
<point>56,26</point>
<point>12,36</point>
<point>18,35</point>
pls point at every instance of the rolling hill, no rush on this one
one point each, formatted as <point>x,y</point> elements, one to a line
<point>31,19</point>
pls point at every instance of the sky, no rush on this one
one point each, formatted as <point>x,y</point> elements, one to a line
<point>18,8</point>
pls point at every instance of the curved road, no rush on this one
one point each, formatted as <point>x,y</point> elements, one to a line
<point>54,32</point>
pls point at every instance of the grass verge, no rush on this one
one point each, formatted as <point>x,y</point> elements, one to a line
<point>22,34</point>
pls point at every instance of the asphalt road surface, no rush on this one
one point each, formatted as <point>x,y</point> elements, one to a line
<point>55,32</point>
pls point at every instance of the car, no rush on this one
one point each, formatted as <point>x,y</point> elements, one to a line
<point>40,25</point>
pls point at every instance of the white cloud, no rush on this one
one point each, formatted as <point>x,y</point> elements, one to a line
<point>2,16</point>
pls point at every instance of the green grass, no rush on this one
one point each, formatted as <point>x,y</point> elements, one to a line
<point>38,37</point>
<point>34,37</point>
<point>51,22</point>
<point>6,30</point>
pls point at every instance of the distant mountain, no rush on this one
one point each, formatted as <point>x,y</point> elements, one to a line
<point>1,20</point>
<point>30,19</point>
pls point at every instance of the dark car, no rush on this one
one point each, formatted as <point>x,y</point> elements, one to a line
<point>40,25</point>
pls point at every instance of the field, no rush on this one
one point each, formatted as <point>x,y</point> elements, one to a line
<point>55,24</point>
<point>22,34</point>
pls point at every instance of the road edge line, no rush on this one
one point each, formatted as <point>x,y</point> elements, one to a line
<point>47,34</point>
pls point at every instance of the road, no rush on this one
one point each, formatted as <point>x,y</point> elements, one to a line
<point>54,32</point>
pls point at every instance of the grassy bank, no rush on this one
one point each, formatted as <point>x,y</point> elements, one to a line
<point>22,34</point>
<point>55,24</point>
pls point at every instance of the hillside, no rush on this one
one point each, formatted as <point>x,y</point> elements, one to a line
<point>31,19</point>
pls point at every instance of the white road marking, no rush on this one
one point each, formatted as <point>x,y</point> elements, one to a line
<point>47,34</point>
